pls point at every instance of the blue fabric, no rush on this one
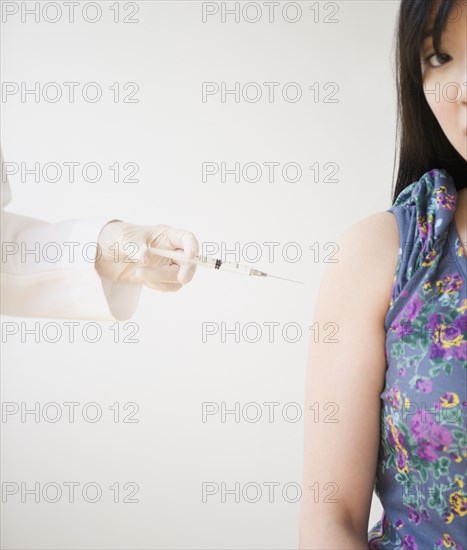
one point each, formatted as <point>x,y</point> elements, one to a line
<point>421,471</point>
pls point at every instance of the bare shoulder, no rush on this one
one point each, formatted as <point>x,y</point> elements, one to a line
<point>377,232</point>
<point>367,260</point>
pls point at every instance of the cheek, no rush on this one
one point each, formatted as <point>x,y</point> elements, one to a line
<point>440,98</point>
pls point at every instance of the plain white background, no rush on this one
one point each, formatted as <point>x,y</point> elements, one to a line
<point>170,372</point>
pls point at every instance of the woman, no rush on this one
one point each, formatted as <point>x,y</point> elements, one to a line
<point>386,405</point>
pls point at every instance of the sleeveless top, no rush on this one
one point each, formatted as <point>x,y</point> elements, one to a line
<point>421,472</point>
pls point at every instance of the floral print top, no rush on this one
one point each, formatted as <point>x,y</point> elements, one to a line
<point>421,472</point>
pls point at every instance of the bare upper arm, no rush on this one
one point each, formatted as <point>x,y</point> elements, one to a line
<point>354,294</point>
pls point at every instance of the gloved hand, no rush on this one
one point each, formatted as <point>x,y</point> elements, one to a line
<point>123,256</point>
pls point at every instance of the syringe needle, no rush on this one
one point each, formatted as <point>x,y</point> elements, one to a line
<point>284,279</point>
<point>205,261</point>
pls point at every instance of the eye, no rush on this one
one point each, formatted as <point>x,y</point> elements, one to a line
<point>442,59</point>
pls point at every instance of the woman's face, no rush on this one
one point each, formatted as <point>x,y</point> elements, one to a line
<point>445,77</point>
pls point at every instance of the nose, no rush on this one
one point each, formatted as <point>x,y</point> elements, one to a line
<point>463,98</point>
<point>462,85</point>
<point>463,81</point>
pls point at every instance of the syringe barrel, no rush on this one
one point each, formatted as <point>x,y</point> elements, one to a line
<point>233,267</point>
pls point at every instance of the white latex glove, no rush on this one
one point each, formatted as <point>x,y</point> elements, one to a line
<point>125,256</point>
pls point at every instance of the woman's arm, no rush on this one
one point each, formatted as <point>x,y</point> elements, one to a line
<point>341,440</point>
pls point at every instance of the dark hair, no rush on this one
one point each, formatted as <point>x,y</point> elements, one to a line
<point>422,142</point>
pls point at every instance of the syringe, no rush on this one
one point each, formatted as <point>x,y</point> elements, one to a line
<point>214,263</point>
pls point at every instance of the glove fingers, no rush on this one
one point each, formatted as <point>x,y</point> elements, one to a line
<point>161,274</point>
<point>180,238</point>
<point>186,273</point>
<point>164,287</point>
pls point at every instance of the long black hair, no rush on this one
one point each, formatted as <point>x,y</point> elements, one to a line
<point>422,142</point>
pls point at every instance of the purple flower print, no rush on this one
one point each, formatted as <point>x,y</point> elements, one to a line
<point>427,452</point>
<point>433,321</point>
<point>414,516</point>
<point>400,438</point>
<point>448,542</point>
<point>403,321</point>
<point>412,309</point>
<point>402,329</point>
<point>446,516</point>
<point>450,283</point>
<point>429,435</point>
<point>446,339</point>
<point>425,228</point>
<point>461,323</point>
<point>408,543</point>
<point>441,437</point>
<point>401,462</point>
<point>394,397</point>
<point>445,199</point>
<point>449,399</point>
<point>437,351</point>
<point>451,336</point>
<point>461,351</point>
<point>423,385</point>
